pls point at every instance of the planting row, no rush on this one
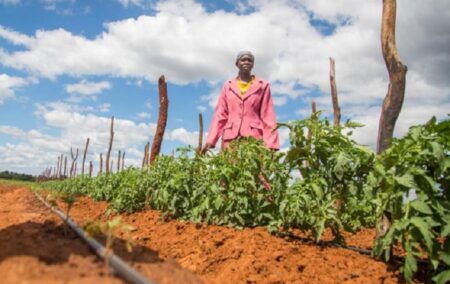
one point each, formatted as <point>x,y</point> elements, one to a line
<point>324,180</point>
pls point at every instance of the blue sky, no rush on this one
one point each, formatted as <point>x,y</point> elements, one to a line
<point>67,66</point>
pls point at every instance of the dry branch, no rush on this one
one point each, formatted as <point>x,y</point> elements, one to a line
<point>334,96</point>
<point>313,111</point>
<point>73,168</point>
<point>146,157</point>
<point>200,133</point>
<point>108,154</point>
<point>393,101</point>
<point>118,160</point>
<point>101,165</point>
<point>65,166</point>
<point>162,118</point>
<point>57,167</point>
<point>91,168</point>
<point>123,160</point>
<point>84,156</point>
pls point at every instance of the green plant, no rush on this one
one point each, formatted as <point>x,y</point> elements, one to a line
<point>413,178</point>
<point>330,191</point>
<point>109,229</point>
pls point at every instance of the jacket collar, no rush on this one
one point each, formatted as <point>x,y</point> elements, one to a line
<point>256,85</point>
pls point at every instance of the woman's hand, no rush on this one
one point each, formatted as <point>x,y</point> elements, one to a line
<point>206,148</point>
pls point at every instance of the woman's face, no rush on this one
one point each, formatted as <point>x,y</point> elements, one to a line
<point>245,64</point>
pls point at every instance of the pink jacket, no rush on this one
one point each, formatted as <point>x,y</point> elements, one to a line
<point>250,115</point>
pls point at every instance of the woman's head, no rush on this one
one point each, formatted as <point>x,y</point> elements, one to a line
<point>245,61</point>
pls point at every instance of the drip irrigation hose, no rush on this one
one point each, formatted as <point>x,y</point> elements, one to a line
<point>116,263</point>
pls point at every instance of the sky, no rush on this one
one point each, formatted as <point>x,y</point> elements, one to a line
<point>68,66</point>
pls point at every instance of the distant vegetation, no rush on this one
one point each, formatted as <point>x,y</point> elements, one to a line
<point>16,176</point>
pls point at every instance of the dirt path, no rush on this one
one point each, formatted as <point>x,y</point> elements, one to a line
<point>35,247</point>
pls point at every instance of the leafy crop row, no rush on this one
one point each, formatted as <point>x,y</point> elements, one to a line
<point>327,181</point>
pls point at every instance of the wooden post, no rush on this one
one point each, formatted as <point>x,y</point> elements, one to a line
<point>57,167</point>
<point>309,133</point>
<point>108,167</point>
<point>123,160</point>
<point>65,166</point>
<point>334,97</point>
<point>84,156</point>
<point>162,118</point>
<point>101,165</point>
<point>146,159</point>
<point>74,159</point>
<point>393,101</point>
<point>111,167</point>
<point>118,160</point>
<point>200,133</point>
<point>91,168</point>
<point>313,111</point>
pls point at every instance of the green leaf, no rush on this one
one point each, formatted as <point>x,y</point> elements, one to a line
<point>406,180</point>
<point>445,232</point>
<point>445,257</point>
<point>421,206</point>
<point>424,230</point>
<point>436,149</point>
<point>341,160</point>
<point>443,277</point>
<point>410,266</point>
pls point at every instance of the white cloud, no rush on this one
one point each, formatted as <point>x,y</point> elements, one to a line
<point>104,107</point>
<point>9,2</point>
<point>213,97</point>
<point>184,136</point>
<point>126,3</point>
<point>8,85</point>
<point>88,88</point>
<point>143,115</point>
<point>290,52</point>
<point>72,128</point>
<point>201,109</point>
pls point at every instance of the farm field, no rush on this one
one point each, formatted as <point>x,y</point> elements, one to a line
<point>36,247</point>
<point>171,251</point>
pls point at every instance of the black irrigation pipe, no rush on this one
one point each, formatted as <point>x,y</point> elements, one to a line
<point>116,263</point>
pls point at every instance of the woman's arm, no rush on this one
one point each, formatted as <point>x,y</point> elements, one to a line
<point>219,120</point>
<point>268,117</point>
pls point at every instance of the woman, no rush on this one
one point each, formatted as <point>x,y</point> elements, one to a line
<point>245,108</point>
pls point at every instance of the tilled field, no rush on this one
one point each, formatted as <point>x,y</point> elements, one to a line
<point>36,247</point>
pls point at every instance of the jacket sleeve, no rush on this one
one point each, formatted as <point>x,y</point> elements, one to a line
<point>268,117</point>
<point>219,120</point>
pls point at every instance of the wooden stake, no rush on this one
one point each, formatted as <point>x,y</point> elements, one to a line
<point>101,165</point>
<point>118,160</point>
<point>73,169</point>
<point>57,167</point>
<point>313,111</point>
<point>200,133</point>
<point>334,96</point>
<point>65,166</point>
<point>91,168</point>
<point>108,167</point>
<point>393,101</point>
<point>84,156</point>
<point>145,159</point>
<point>123,160</point>
<point>162,118</point>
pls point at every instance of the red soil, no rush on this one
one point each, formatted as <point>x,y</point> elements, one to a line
<point>215,254</point>
<point>35,247</point>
